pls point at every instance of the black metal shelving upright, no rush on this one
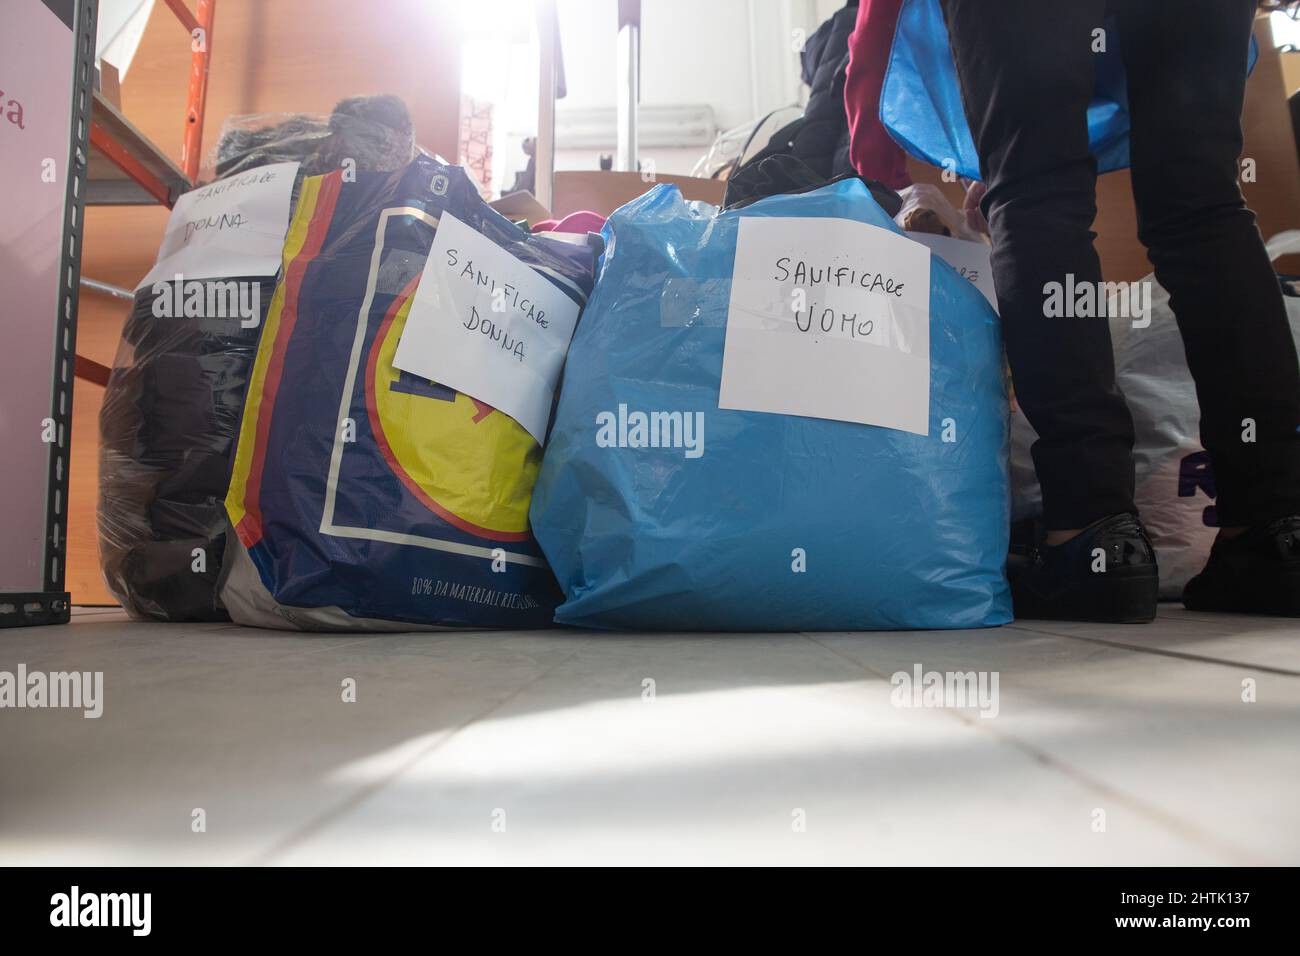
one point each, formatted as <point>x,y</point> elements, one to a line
<point>20,602</point>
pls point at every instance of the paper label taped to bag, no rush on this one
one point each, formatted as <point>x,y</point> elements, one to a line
<point>233,227</point>
<point>829,318</point>
<point>486,324</point>
<point>970,259</point>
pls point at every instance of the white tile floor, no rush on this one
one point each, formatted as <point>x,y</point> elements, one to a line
<point>1110,745</point>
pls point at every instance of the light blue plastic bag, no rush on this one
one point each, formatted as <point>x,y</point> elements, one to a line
<point>921,106</point>
<point>894,530</point>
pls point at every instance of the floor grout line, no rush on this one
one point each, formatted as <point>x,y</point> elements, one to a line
<point>209,669</point>
<point>313,827</point>
<point>1161,651</point>
<point>1177,826</point>
<point>1208,617</point>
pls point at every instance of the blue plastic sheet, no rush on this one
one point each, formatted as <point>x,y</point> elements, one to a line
<point>896,530</point>
<point>921,105</point>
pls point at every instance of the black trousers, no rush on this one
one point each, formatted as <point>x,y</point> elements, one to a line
<point>1026,71</point>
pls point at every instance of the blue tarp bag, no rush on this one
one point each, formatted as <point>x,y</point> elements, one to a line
<point>895,530</point>
<point>920,103</point>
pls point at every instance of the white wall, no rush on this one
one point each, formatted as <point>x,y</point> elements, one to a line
<point>692,51</point>
<point>737,56</point>
<point>119,26</point>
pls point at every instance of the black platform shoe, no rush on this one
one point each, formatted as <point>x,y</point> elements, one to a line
<point>1105,573</point>
<point>1257,572</point>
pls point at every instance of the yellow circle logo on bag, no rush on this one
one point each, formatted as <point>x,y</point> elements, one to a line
<point>470,464</point>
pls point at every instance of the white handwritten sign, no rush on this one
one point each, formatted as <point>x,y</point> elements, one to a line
<point>486,324</point>
<point>233,227</point>
<point>829,318</point>
<point>970,259</point>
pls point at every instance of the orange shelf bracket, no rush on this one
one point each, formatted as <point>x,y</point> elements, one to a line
<point>199,26</point>
<point>92,371</point>
<point>102,140</point>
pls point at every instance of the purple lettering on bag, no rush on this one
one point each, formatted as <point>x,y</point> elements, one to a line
<point>1195,472</point>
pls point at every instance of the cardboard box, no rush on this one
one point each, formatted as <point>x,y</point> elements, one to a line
<point>603,191</point>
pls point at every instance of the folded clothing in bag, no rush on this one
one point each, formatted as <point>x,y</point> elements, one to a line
<point>172,406</point>
<point>773,521</point>
<point>364,497</point>
<point>167,435</point>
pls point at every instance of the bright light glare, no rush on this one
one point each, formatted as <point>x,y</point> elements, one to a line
<point>1286,32</point>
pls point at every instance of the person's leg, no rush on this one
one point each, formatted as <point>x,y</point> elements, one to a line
<point>1186,67</point>
<point>1027,77</point>
<point>1026,72</point>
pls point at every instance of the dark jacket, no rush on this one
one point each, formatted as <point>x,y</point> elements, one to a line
<point>814,149</point>
<point>822,141</point>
